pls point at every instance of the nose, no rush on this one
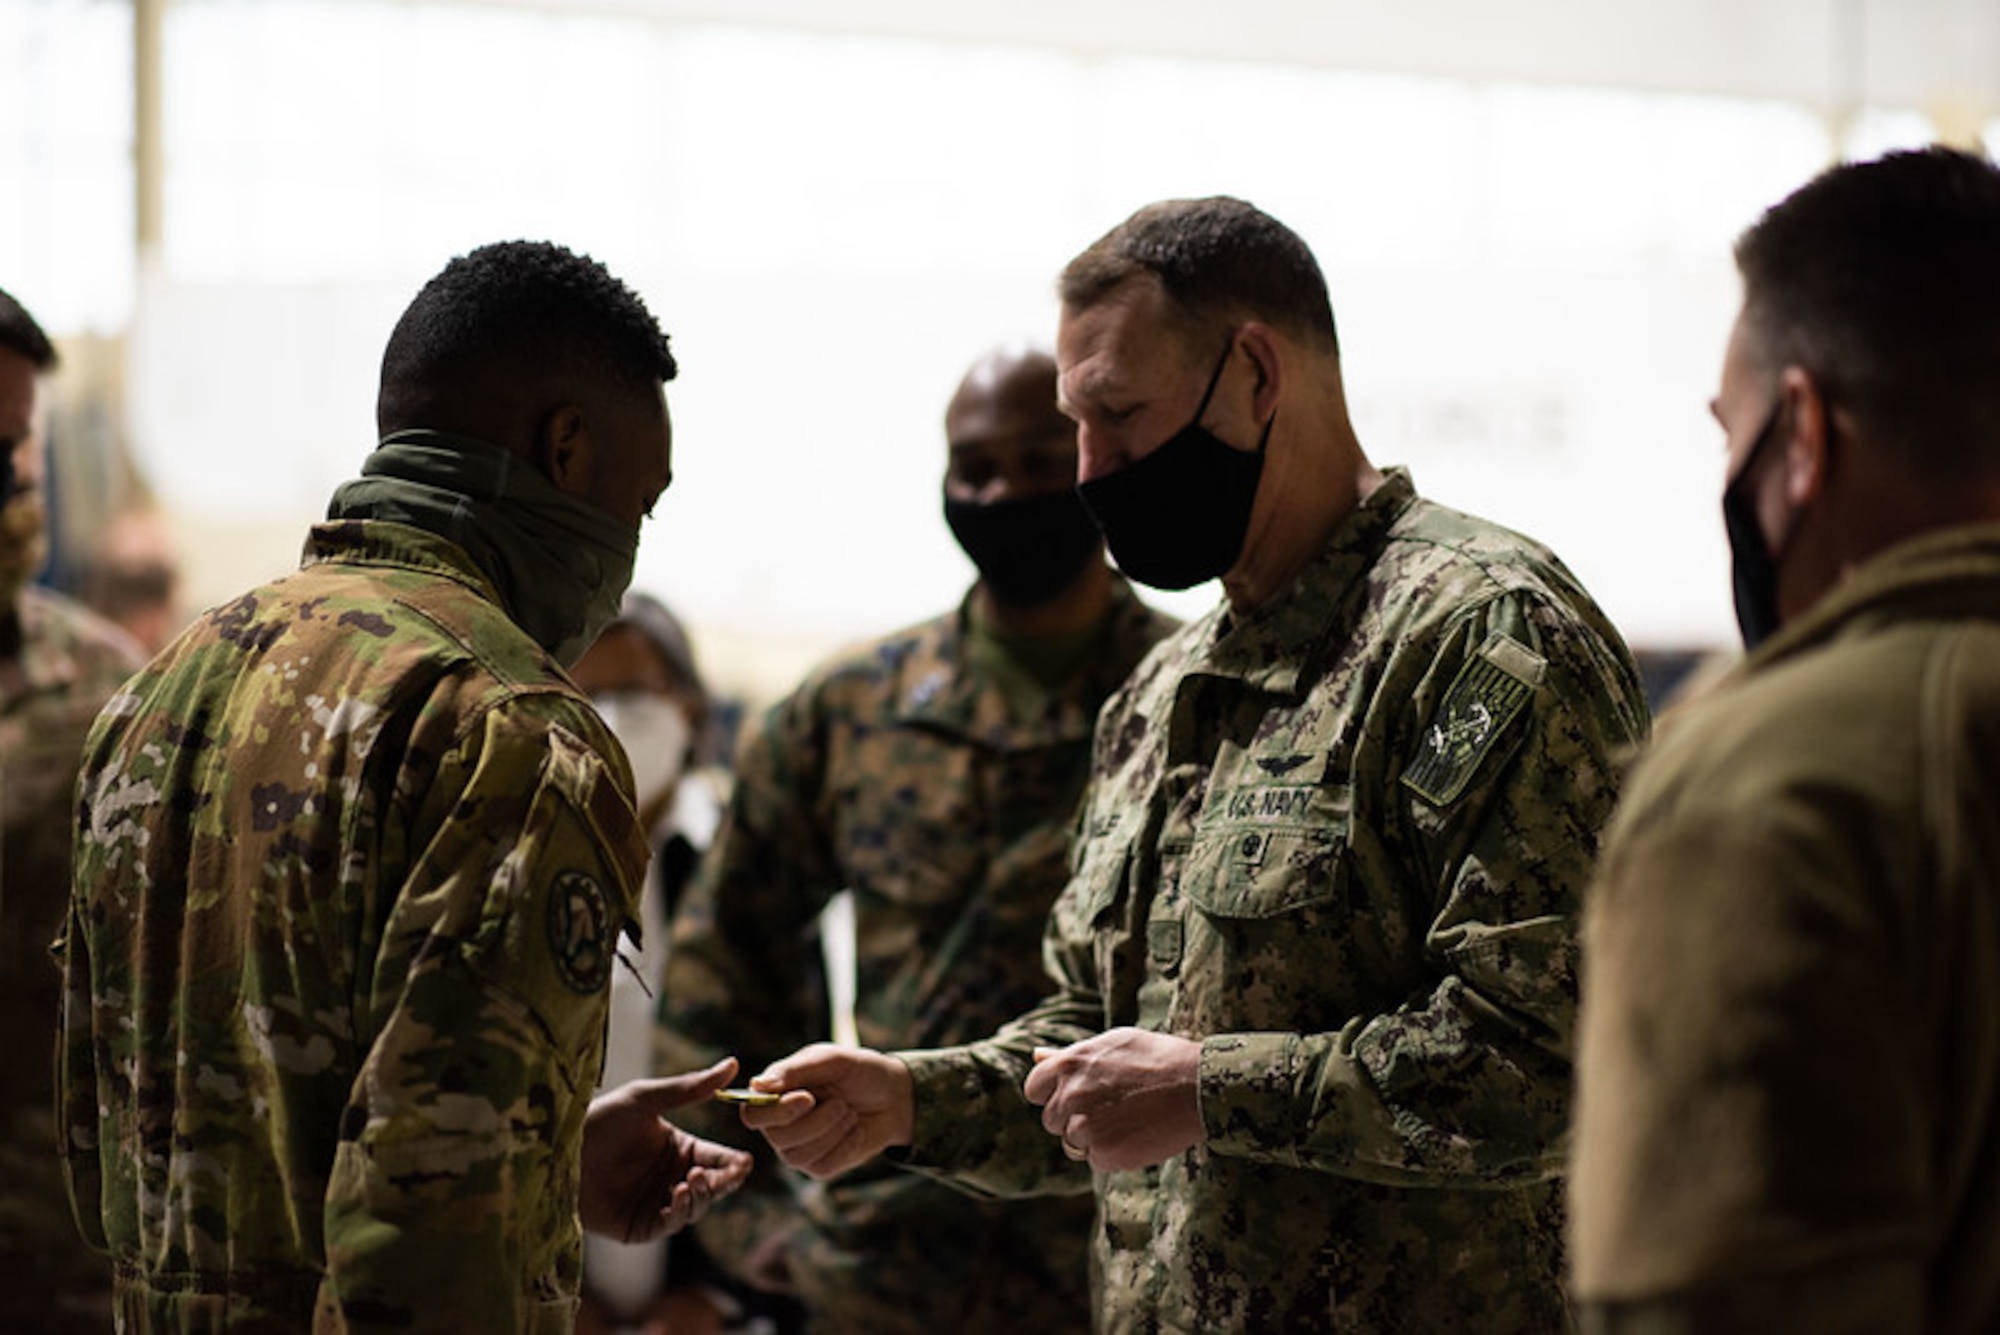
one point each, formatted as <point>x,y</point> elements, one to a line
<point>23,466</point>
<point>1096,456</point>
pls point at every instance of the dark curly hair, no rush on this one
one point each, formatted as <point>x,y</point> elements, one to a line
<point>1218,259</point>
<point>518,309</point>
<point>19,333</point>
<point>1882,279</point>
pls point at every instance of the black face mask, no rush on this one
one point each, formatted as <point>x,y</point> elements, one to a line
<point>1179,515</point>
<point>1752,568</point>
<point>1027,550</point>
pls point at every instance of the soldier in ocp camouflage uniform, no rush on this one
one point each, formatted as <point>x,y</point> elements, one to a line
<point>353,855</point>
<point>58,663</point>
<point>1316,965</point>
<point>935,772</point>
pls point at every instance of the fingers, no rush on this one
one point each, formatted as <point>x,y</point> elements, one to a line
<point>794,1105</point>
<point>719,1164</point>
<point>816,1064</point>
<point>688,1204</point>
<point>708,1154</point>
<point>678,1091</point>
<point>713,1171</point>
<point>1044,1087</point>
<point>817,1142</point>
<point>826,1140</point>
<point>1045,1078</point>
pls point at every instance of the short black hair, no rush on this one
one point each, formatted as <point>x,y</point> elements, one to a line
<point>1218,259</point>
<point>518,309</point>
<point>19,333</point>
<point>1882,280</point>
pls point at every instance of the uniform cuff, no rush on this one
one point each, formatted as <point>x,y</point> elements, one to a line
<point>942,1090</point>
<point>1249,1089</point>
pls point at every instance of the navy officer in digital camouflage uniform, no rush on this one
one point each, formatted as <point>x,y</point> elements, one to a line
<point>1315,969</point>
<point>353,857</point>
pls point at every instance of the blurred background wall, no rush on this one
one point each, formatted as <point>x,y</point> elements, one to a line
<point>1524,208</point>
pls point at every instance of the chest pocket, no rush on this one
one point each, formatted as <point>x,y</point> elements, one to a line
<point>1264,851</point>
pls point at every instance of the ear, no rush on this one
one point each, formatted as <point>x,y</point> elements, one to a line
<point>1265,355</point>
<point>1808,438</point>
<point>562,449</point>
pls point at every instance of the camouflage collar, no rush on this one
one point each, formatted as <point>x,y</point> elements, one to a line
<point>938,688</point>
<point>1277,647</point>
<point>383,542</point>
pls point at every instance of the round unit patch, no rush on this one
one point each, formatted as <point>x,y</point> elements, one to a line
<point>581,935</point>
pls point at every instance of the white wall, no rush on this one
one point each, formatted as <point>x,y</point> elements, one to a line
<point>1532,282</point>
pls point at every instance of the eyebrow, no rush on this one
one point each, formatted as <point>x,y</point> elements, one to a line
<point>1093,384</point>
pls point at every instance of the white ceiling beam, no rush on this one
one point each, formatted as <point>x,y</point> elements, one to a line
<point>1827,54</point>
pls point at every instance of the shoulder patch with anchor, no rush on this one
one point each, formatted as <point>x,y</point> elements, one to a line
<point>1494,686</point>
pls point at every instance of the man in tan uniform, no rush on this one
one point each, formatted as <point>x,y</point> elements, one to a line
<point>1789,1109</point>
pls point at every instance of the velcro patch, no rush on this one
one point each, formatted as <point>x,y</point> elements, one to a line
<point>1493,687</point>
<point>582,937</point>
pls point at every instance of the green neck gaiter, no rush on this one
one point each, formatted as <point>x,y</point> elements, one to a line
<point>560,564</point>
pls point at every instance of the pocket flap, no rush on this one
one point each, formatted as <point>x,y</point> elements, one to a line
<point>1251,871</point>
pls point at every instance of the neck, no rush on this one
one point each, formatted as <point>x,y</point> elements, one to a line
<point>1082,602</point>
<point>1320,480</point>
<point>1875,506</point>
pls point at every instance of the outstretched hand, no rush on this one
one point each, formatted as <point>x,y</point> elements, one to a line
<point>644,1177</point>
<point>841,1107</point>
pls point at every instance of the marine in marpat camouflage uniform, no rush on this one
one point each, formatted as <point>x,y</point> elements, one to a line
<point>935,773</point>
<point>1316,966</point>
<point>58,663</point>
<point>353,856</point>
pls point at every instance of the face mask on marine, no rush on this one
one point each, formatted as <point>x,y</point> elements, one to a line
<point>1029,549</point>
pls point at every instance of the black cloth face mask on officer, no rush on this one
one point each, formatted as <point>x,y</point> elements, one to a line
<point>1753,568</point>
<point>1179,515</point>
<point>1028,549</point>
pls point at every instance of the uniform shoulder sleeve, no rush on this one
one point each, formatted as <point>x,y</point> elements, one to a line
<point>452,1203</point>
